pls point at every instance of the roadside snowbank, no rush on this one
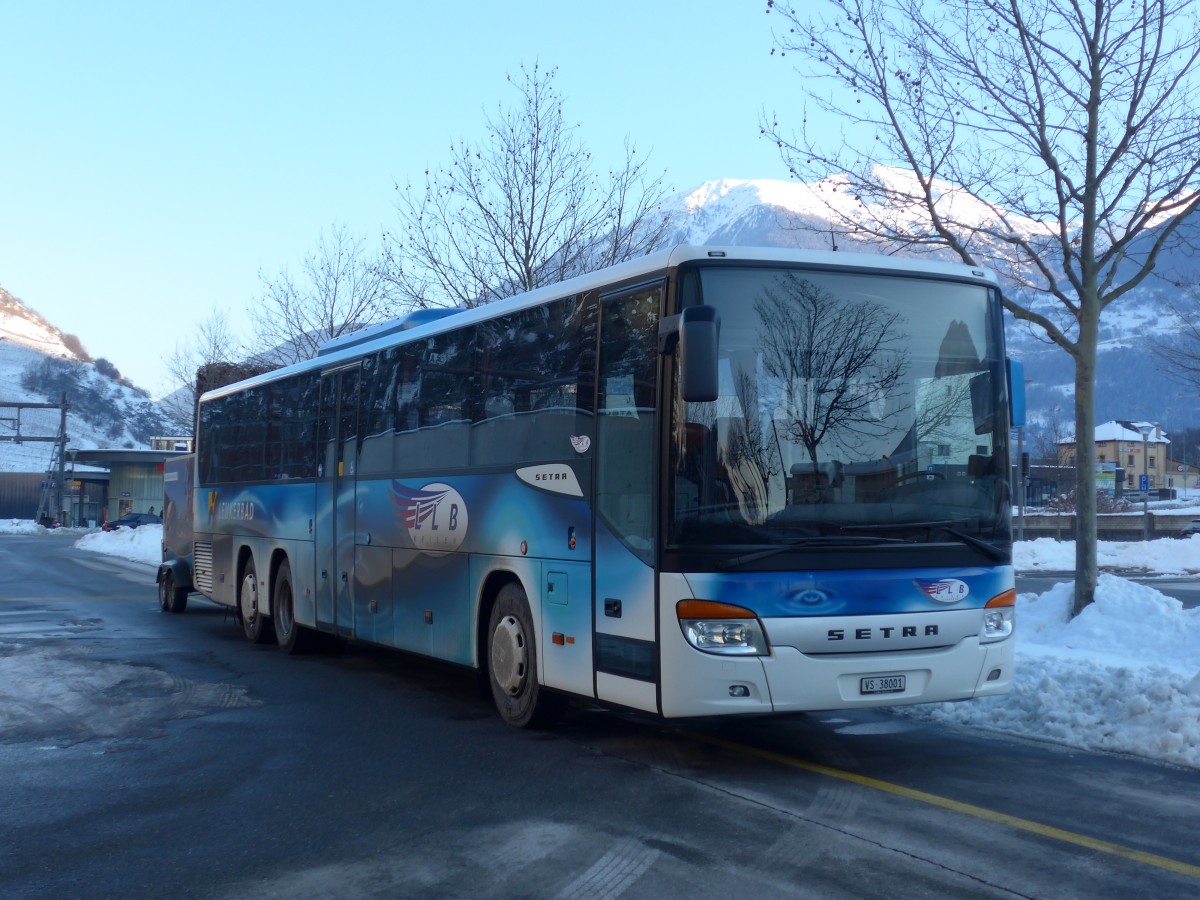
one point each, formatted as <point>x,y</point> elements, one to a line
<point>20,526</point>
<point>1123,676</point>
<point>1165,556</point>
<point>142,544</point>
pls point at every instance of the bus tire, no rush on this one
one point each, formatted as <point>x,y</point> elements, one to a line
<point>254,624</point>
<point>171,598</point>
<point>292,638</point>
<point>512,664</point>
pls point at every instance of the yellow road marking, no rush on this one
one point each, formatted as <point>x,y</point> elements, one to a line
<point>979,812</point>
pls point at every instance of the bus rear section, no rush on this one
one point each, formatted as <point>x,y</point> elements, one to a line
<point>175,572</point>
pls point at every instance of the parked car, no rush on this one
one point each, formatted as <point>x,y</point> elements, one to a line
<point>133,520</point>
<point>1192,527</point>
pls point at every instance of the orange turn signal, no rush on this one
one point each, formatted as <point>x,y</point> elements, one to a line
<point>1007,598</point>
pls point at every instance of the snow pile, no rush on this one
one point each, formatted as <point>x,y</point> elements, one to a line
<point>20,526</point>
<point>142,544</point>
<point>1166,556</point>
<point>1123,676</point>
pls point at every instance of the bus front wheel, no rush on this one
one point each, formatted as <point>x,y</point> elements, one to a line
<point>254,624</point>
<point>512,664</point>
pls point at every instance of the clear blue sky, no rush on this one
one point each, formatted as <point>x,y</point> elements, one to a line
<point>158,155</point>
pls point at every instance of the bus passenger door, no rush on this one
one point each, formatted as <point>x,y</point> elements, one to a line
<point>333,519</point>
<point>625,598</point>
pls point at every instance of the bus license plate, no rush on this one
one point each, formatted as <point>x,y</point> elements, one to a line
<point>881,684</point>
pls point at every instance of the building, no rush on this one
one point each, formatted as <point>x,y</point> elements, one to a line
<point>135,481</point>
<point>1182,475</point>
<point>1121,459</point>
<point>166,442</point>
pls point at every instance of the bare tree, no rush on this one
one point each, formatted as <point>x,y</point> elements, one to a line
<point>835,361</point>
<point>342,289</point>
<point>750,443</point>
<point>521,208</point>
<point>1052,139</point>
<point>213,342</point>
<point>1046,439</point>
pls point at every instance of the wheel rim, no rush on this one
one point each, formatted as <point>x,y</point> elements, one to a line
<point>248,602</point>
<point>164,591</point>
<point>509,656</point>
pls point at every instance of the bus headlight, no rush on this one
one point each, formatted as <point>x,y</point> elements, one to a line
<point>721,628</point>
<point>998,617</point>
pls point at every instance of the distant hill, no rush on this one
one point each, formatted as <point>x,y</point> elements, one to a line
<point>38,362</point>
<point>1130,381</point>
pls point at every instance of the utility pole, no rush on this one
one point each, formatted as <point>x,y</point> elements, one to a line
<point>1145,429</point>
<point>61,450</point>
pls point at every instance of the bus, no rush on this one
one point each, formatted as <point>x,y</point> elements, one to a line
<point>708,481</point>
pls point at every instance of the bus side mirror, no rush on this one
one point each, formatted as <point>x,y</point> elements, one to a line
<point>1016,391</point>
<point>699,341</point>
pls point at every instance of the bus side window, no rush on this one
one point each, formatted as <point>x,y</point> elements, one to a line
<point>534,379</point>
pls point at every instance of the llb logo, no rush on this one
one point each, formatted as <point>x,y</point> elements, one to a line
<point>945,590</point>
<point>435,516</point>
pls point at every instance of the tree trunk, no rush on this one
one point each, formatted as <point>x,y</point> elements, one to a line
<point>1085,460</point>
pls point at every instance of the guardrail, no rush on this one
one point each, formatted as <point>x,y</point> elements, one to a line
<point>1109,527</point>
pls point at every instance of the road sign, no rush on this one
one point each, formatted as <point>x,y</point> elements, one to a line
<point>1143,483</point>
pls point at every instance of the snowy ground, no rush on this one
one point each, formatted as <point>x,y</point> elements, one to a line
<point>1124,676</point>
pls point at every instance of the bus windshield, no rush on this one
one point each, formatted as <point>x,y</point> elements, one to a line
<point>854,408</point>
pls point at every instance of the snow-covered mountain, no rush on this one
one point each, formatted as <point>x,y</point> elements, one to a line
<point>1131,383</point>
<point>38,362</point>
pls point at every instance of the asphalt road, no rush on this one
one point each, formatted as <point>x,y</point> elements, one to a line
<point>144,754</point>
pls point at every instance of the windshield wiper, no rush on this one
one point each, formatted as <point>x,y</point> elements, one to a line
<point>824,540</point>
<point>946,526</point>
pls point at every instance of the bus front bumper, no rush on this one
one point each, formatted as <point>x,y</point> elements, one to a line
<point>787,680</point>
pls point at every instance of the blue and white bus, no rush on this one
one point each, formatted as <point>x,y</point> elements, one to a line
<point>704,482</point>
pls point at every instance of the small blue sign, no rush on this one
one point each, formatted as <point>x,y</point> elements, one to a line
<point>1143,483</point>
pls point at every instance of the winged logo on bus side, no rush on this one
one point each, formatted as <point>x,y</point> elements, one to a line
<point>435,515</point>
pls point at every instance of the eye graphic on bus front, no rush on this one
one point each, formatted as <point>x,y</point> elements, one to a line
<point>435,516</point>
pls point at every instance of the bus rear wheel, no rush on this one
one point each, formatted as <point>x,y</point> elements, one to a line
<point>512,664</point>
<point>292,638</point>
<point>254,624</point>
<point>171,598</point>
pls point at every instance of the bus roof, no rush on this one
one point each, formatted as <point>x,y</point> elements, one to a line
<point>426,322</point>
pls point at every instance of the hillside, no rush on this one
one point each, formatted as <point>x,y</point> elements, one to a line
<point>38,362</point>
